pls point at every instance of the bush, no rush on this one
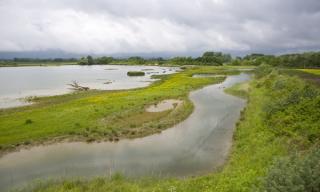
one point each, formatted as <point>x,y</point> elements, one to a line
<point>28,121</point>
<point>293,108</point>
<point>263,70</point>
<point>294,174</point>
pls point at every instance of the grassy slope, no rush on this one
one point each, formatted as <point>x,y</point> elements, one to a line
<point>311,75</point>
<point>101,115</point>
<point>255,147</point>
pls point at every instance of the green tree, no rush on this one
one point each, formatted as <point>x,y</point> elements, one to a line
<point>90,60</point>
<point>83,61</point>
<point>104,60</point>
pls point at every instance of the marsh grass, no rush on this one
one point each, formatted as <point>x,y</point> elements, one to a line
<point>239,90</point>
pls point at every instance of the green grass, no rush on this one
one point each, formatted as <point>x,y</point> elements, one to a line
<point>256,146</point>
<point>101,115</point>
<point>311,75</point>
<point>239,90</point>
<point>312,71</point>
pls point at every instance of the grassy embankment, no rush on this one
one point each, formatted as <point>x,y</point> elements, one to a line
<point>311,75</point>
<point>101,115</point>
<point>282,118</point>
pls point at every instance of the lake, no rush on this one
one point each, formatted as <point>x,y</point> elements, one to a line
<point>197,145</point>
<point>16,83</point>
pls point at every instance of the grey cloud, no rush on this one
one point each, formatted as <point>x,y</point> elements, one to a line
<point>127,26</point>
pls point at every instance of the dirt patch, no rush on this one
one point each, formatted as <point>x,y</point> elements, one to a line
<point>164,105</point>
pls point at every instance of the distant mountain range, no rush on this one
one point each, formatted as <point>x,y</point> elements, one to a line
<point>61,54</point>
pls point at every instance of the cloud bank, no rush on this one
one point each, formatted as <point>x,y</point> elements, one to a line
<point>150,26</point>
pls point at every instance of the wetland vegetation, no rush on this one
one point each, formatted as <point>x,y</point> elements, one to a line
<point>101,115</point>
<point>160,96</point>
<point>275,143</point>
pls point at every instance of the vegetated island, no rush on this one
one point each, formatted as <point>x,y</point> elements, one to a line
<point>135,73</point>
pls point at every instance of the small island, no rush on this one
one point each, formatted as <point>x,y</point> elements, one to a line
<point>136,73</point>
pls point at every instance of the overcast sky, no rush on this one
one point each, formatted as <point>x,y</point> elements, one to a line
<point>154,26</point>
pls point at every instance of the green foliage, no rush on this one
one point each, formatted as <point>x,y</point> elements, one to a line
<point>240,90</point>
<point>208,58</point>
<point>298,60</point>
<point>136,60</point>
<point>28,121</point>
<point>216,58</point>
<point>83,61</point>
<point>293,106</point>
<point>182,61</point>
<point>86,60</point>
<point>263,70</point>
<point>90,60</point>
<point>294,174</point>
<point>104,60</point>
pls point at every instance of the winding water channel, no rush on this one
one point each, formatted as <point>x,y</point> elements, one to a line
<point>195,146</point>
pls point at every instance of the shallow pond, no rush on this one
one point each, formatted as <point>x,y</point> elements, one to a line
<point>21,82</point>
<point>197,145</point>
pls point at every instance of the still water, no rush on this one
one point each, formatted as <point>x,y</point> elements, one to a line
<point>197,145</point>
<point>17,83</point>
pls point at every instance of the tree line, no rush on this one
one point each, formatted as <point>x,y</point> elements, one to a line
<point>207,58</point>
<point>296,60</point>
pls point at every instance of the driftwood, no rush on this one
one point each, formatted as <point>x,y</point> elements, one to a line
<point>76,87</point>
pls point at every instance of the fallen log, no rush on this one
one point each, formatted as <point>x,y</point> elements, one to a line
<point>76,87</point>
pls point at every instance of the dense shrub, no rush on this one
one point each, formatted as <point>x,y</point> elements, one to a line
<point>293,107</point>
<point>263,70</point>
<point>300,60</point>
<point>294,174</point>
